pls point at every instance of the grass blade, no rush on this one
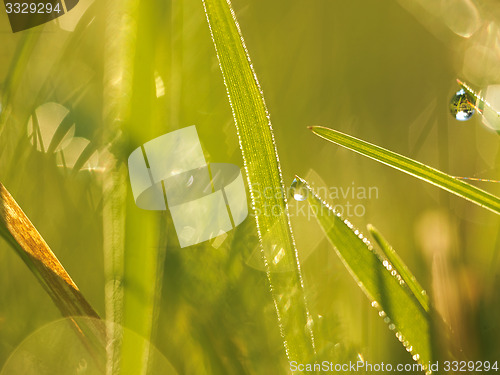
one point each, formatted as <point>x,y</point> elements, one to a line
<point>401,268</point>
<point>19,232</point>
<point>377,278</point>
<point>263,172</point>
<point>412,167</point>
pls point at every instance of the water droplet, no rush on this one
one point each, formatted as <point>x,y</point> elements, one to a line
<point>416,357</point>
<point>392,327</point>
<point>461,105</point>
<point>298,190</point>
<point>381,313</point>
<point>375,304</point>
<point>309,324</point>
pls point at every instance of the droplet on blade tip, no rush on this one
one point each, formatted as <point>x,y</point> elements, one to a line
<point>461,105</point>
<point>298,190</point>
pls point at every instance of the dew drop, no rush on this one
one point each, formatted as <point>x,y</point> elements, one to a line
<point>416,357</point>
<point>298,190</point>
<point>392,327</point>
<point>461,105</point>
<point>309,324</point>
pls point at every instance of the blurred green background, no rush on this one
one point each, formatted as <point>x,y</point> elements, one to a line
<point>382,71</point>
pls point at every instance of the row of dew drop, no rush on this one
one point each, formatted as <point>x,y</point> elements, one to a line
<point>299,191</point>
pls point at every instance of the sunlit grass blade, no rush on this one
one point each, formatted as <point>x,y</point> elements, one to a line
<point>377,278</point>
<point>19,232</point>
<point>412,167</point>
<point>400,267</point>
<point>263,174</point>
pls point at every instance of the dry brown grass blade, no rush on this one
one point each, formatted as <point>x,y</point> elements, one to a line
<point>19,232</point>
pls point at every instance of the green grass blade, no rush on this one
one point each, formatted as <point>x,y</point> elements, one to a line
<point>376,277</point>
<point>263,172</point>
<point>412,167</point>
<point>19,232</point>
<point>401,268</point>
